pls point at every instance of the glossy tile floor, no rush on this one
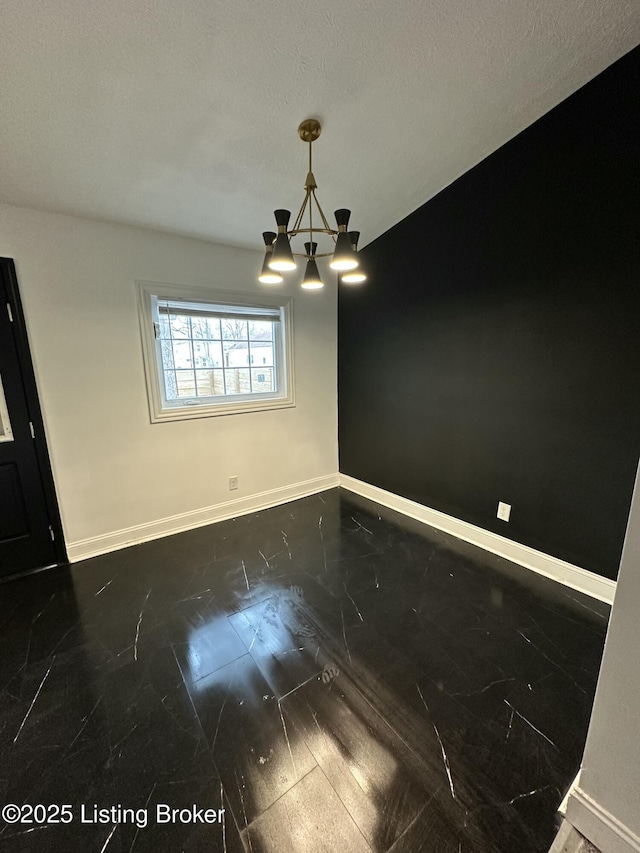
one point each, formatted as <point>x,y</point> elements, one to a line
<point>336,677</point>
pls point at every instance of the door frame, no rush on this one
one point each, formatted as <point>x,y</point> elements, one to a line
<point>10,281</point>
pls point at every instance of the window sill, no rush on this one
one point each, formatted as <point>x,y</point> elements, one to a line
<point>185,413</point>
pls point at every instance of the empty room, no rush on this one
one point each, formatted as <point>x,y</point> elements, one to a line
<point>319,427</point>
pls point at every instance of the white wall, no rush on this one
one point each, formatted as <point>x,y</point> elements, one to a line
<point>113,469</point>
<point>605,806</point>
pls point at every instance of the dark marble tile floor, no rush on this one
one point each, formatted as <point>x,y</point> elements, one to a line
<point>334,676</point>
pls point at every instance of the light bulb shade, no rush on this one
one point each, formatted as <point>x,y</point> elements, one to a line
<point>342,217</point>
<point>310,249</point>
<point>344,258</point>
<point>282,217</point>
<point>282,257</point>
<point>311,280</point>
<point>355,277</point>
<point>269,276</point>
<point>354,236</point>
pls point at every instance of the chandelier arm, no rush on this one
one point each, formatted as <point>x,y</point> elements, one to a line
<point>297,231</point>
<point>296,224</point>
<point>320,255</point>
<point>321,212</point>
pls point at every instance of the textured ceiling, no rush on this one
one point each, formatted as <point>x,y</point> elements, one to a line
<point>182,114</point>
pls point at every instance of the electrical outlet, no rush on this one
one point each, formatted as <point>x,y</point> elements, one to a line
<point>504,511</point>
<point>233,483</point>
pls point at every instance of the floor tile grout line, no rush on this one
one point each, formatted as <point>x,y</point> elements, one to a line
<point>348,811</point>
<point>284,793</point>
<point>204,736</point>
<point>211,754</point>
<point>386,724</point>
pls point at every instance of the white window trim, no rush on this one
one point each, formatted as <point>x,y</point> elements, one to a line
<point>158,412</point>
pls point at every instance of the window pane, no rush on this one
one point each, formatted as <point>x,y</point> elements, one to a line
<point>182,354</point>
<point>180,326</point>
<point>218,382</point>
<point>199,327</point>
<point>262,353</point>
<point>213,327</point>
<point>164,326</point>
<point>207,353</point>
<point>262,380</point>
<point>259,331</point>
<point>237,381</point>
<point>234,330</point>
<point>186,383</point>
<point>205,383</point>
<point>167,355</point>
<point>170,385</point>
<point>236,353</point>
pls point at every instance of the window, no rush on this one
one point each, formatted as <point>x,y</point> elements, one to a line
<point>200,348</point>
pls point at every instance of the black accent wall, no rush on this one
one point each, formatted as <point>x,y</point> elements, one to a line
<point>494,353</point>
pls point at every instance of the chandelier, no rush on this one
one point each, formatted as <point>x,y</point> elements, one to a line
<point>280,257</point>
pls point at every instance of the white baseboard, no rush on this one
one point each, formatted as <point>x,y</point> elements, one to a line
<point>565,573</point>
<point>562,808</point>
<point>599,826</point>
<point>117,539</point>
<point>572,576</point>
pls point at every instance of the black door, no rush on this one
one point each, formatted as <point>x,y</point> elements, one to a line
<point>29,522</point>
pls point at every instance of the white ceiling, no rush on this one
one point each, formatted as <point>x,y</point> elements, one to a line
<point>183,114</point>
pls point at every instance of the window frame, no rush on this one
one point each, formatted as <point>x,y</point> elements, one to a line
<point>162,410</point>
